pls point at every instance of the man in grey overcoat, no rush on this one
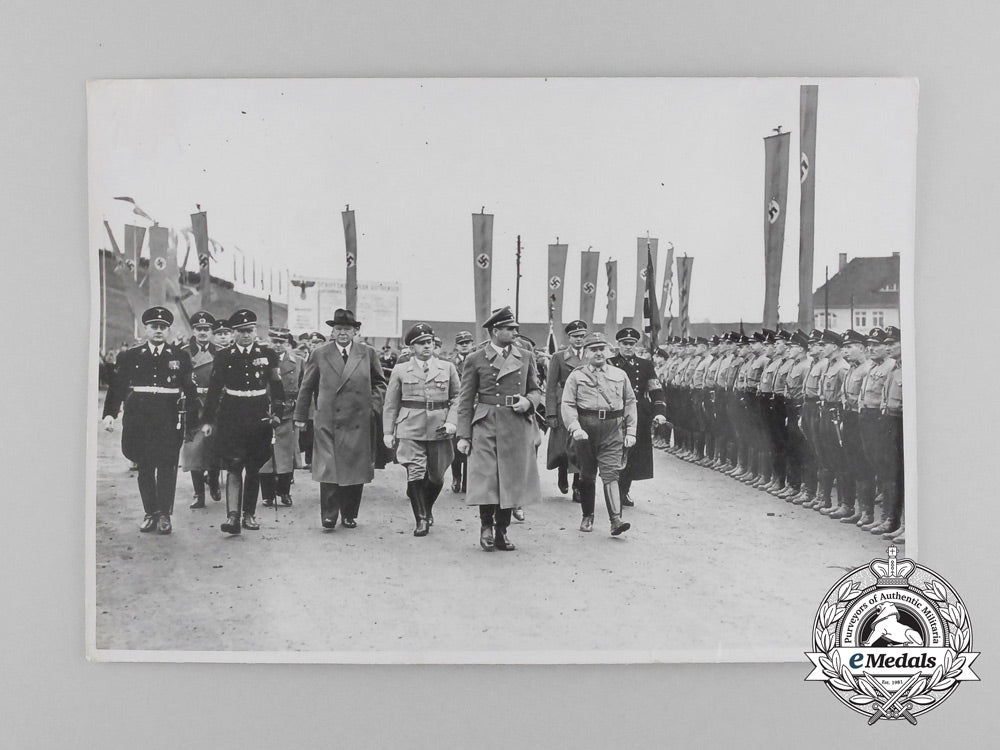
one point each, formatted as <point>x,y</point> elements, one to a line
<point>345,381</point>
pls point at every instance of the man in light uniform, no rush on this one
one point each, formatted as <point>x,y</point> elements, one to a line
<point>419,419</point>
<point>197,456</point>
<point>598,408</point>
<point>892,410</point>
<point>563,362</point>
<point>276,473</point>
<point>459,468</point>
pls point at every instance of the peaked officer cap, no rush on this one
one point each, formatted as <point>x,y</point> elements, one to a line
<point>243,319</point>
<point>853,337</point>
<point>628,333</point>
<point>502,316</point>
<point>203,318</point>
<point>594,339</point>
<point>832,337</point>
<point>576,325</point>
<point>157,314</point>
<point>463,337</point>
<point>419,334</point>
<point>799,339</point>
<point>891,334</point>
<point>876,336</point>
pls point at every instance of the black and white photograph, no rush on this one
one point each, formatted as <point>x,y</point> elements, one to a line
<point>494,370</point>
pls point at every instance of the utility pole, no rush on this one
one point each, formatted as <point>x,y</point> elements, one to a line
<point>826,300</point>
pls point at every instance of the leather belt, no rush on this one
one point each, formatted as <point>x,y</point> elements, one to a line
<point>601,413</point>
<point>871,410</point>
<point>811,399</point>
<point>246,394</point>
<point>428,405</point>
<point>202,390</point>
<point>155,389</point>
<point>893,412</point>
<point>493,400</point>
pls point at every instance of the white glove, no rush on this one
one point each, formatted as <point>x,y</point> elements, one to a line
<point>464,446</point>
<point>579,434</point>
<point>207,429</point>
<point>659,419</point>
<point>388,440</point>
<point>109,423</point>
<point>450,429</point>
<point>629,441</point>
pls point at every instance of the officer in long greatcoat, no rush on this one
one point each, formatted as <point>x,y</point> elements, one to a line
<point>563,362</point>
<point>649,405</point>
<point>344,379</point>
<point>276,473</point>
<point>498,396</point>
<point>197,456</point>
<point>153,382</point>
<point>243,405</point>
<point>419,420</point>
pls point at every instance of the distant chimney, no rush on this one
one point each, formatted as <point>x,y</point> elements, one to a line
<point>843,261</point>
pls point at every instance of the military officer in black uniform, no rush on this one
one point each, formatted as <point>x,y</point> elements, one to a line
<point>197,456</point>
<point>153,381</point>
<point>244,404</point>
<point>463,347</point>
<point>649,404</point>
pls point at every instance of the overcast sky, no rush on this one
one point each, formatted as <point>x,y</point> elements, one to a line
<point>596,162</point>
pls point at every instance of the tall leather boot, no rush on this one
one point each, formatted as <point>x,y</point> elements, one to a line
<point>234,502</point>
<point>431,492</point>
<point>415,491</point>
<point>857,501</point>
<point>846,493</point>
<point>213,484</point>
<point>562,478</point>
<point>613,502</point>
<point>866,499</point>
<point>486,538</point>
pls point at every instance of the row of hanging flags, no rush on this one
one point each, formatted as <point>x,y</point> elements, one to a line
<point>163,282</point>
<point>164,287</point>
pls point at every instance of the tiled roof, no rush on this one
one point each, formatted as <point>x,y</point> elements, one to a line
<point>862,278</point>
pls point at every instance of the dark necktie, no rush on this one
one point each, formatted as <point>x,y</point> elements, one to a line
<point>506,352</point>
<point>343,353</point>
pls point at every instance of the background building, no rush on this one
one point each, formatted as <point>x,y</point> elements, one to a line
<point>863,293</point>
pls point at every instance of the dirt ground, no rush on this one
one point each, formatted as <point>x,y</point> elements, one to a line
<point>710,569</point>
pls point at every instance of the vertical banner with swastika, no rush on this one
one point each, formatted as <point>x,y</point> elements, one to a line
<point>133,247</point>
<point>589,263</point>
<point>775,202</point>
<point>684,267</point>
<point>611,321</point>
<point>640,275</point>
<point>555,287</point>
<point>666,300</point>
<point>351,261</point>
<point>199,225</point>
<point>482,264</point>
<point>124,268</point>
<point>808,102</point>
<point>157,278</point>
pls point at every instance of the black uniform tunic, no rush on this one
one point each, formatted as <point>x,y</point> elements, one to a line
<point>649,402</point>
<point>150,386</point>
<point>241,391</point>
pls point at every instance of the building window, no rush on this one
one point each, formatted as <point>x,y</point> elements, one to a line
<point>860,319</point>
<point>823,322</point>
<point>878,318</point>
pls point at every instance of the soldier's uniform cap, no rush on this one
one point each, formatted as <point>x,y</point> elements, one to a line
<point>815,335</point>
<point>576,325</point>
<point>594,339</point>
<point>799,339</point>
<point>501,317</point>
<point>464,337</point>
<point>853,337</point>
<point>714,340</point>
<point>317,335</point>
<point>243,318</point>
<point>304,336</point>
<point>157,314</point>
<point>891,334</point>
<point>279,332</point>
<point>701,340</point>
<point>876,336</point>
<point>832,337</point>
<point>743,339</point>
<point>785,335</point>
<point>628,333</point>
<point>759,336</point>
<point>662,351</point>
<point>203,318</point>
<point>768,335</point>
<point>342,317</point>
<point>419,334</point>
<point>525,340</point>
<point>222,325</point>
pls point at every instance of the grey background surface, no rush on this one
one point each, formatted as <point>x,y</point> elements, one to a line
<point>53,698</point>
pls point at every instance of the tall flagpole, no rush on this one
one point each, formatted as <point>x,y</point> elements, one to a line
<point>517,282</point>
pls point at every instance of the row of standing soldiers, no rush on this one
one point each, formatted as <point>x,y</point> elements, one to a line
<point>814,419</point>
